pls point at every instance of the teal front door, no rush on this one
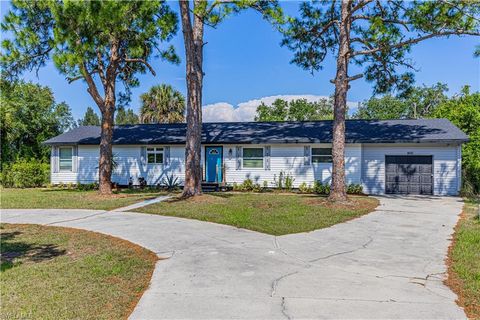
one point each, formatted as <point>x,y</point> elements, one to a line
<point>213,159</point>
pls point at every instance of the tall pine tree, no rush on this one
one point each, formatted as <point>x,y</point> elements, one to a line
<point>98,42</point>
<point>375,35</point>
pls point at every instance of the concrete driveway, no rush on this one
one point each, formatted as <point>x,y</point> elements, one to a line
<point>387,264</point>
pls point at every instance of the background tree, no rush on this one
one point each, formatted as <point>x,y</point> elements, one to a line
<point>99,42</point>
<point>464,111</point>
<point>385,107</point>
<point>127,116</point>
<point>295,110</point>
<point>376,35</point>
<point>414,103</point>
<point>29,115</point>
<point>90,118</point>
<point>162,104</point>
<point>205,13</point>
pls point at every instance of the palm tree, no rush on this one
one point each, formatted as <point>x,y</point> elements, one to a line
<point>162,104</point>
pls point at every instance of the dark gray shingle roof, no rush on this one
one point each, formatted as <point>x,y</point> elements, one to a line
<point>357,131</point>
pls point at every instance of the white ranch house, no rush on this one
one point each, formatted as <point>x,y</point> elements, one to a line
<point>393,156</point>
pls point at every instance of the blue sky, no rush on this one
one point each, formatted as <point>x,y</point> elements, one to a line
<point>244,61</point>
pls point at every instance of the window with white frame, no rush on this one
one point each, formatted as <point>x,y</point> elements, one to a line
<point>321,155</point>
<point>253,157</point>
<point>65,155</point>
<point>155,155</point>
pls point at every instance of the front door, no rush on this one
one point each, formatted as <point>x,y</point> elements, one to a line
<point>213,159</point>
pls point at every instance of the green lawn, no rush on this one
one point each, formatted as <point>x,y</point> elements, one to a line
<point>271,213</point>
<point>464,260</point>
<point>62,273</point>
<point>70,199</point>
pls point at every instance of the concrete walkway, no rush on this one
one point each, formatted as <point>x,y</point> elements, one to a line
<point>142,204</point>
<point>387,264</point>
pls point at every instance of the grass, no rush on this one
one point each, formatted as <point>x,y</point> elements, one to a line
<point>63,273</point>
<point>271,213</point>
<point>464,260</point>
<point>42,198</point>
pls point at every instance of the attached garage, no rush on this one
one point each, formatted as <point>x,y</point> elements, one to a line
<point>409,175</point>
<point>412,168</point>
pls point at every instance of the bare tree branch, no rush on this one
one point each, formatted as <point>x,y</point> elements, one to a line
<point>355,77</point>
<point>70,80</point>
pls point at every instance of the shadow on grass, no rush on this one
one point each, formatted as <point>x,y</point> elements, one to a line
<point>11,249</point>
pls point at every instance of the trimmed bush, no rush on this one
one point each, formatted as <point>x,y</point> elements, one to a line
<point>25,174</point>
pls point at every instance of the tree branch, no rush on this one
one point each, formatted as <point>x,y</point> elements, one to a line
<point>360,5</point>
<point>101,71</point>
<point>92,88</point>
<point>326,27</point>
<point>404,23</point>
<point>416,40</point>
<point>355,77</point>
<point>143,61</point>
<point>70,80</point>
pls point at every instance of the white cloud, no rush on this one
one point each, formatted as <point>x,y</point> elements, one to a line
<point>245,111</point>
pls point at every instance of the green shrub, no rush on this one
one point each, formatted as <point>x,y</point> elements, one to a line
<point>304,188</point>
<point>88,186</point>
<point>247,185</point>
<point>354,189</point>
<point>257,187</point>
<point>320,188</point>
<point>25,174</point>
<point>289,182</point>
<point>284,181</point>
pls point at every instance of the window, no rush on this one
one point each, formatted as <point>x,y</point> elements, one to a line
<point>155,155</point>
<point>253,157</point>
<point>321,155</point>
<point>65,156</point>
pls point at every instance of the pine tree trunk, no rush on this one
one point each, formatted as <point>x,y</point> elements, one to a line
<point>338,190</point>
<point>105,161</point>
<point>193,38</point>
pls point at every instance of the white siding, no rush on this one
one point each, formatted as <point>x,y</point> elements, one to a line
<point>129,165</point>
<point>363,163</point>
<point>445,165</point>
<point>289,158</point>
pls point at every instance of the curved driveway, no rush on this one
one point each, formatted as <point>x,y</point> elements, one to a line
<point>387,264</point>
